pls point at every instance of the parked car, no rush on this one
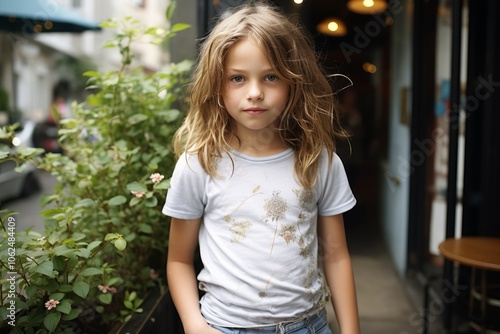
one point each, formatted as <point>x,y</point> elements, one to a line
<point>14,184</point>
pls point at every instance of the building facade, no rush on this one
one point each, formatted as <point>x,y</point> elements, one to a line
<point>37,68</point>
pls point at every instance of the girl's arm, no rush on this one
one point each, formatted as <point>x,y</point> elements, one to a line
<point>181,275</point>
<point>338,272</point>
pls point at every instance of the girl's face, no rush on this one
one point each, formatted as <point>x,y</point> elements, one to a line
<point>253,94</point>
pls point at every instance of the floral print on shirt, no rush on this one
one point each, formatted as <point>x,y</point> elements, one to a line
<point>239,228</point>
<point>296,232</point>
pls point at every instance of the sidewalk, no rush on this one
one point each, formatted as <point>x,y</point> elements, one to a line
<point>384,304</point>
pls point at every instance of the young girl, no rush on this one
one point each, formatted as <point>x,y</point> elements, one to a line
<point>259,187</point>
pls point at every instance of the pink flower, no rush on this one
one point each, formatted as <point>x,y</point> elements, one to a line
<point>51,304</point>
<point>106,288</point>
<point>156,177</point>
<point>153,274</point>
<point>138,194</point>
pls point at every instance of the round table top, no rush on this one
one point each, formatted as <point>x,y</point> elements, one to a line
<point>478,252</point>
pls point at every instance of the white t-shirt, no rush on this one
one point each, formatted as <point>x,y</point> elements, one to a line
<point>258,240</point>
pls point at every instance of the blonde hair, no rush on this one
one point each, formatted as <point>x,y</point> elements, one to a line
<point>310,120</point>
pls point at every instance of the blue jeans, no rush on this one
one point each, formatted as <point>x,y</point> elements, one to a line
<point>315,324</point>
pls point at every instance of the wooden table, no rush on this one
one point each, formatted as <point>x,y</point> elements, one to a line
<point>481,253</point>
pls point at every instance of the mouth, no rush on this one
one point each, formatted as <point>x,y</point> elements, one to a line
<point>254,111</point>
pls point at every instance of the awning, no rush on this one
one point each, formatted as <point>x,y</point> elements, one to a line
<point>37,16</point>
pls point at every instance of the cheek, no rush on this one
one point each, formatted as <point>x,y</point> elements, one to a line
<point>286,99</point>
<point>231,97</point>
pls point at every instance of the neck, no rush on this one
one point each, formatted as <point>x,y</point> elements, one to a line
<point>261,144</point>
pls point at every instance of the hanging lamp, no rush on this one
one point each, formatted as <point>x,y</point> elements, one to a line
<point>367,6</point>
<point>332,27</point>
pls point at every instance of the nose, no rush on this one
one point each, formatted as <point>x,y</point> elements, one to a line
<point>255,91</point>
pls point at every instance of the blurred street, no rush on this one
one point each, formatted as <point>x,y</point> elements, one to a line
<point>29,207</point>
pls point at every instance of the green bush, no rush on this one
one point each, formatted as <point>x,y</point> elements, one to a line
<point>105,237</point>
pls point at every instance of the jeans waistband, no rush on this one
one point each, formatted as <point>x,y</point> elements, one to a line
<point>292,325</point>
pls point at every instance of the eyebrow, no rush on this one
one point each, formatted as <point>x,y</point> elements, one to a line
<point>266,70</point>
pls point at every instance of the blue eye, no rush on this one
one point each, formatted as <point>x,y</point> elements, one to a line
<point>237,78</point>
<point>271,77</point>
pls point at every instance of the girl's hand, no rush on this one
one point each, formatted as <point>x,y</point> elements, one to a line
<point>206,329</point>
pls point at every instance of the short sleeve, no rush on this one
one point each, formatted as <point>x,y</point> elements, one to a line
<point>186,195</point>
<point>336,196</point>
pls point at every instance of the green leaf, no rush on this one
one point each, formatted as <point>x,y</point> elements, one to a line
<point>78,236</point>
<point>63,250</point>
<point>66,288</point>
<point>134,201</point>
<point>8,214</point>
<point>27,152</point>
<point>49,213</point>
<point>52,320</point>
<point>59,263</point>
<point>90,272</point>
<point>73,314</point>
<point>57,296</point>
<point>45,268</point>
<point>163,185</point>
<point>132,296</point>
<point>137,118</point>
<point>72,262</point>
<point>84,203</point>
<point>111,236</point>
<point>53,238</point>
<point>82,184</point>
<point>21,168</point>
<point>154,31</point>
<point>115,281</point>
<point>136,186</point>
<point>91,74</point>
<point>67,245</point>
<point>64,307</point>
<point>93,245</point>
<point>170,11</point>
<point>145,228</point>
<point>83,252</point>
<point>118,200</point>
<point>81,289</point>
<point>105,298</point>
<point>151,202</point>
<point>120,244</point>
<point>128,304</point>
<point>180,26</point>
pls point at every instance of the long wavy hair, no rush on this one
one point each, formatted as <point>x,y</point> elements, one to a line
<point>310,121</point>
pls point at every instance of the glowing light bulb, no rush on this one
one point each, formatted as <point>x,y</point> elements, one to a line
<point>333,26</point>
<point>368,3</point>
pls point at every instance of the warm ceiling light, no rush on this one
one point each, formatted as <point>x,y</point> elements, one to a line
<point>332,27</point>
<point>367,6</point>
<point>298,2</point>
<point>370,68</point>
